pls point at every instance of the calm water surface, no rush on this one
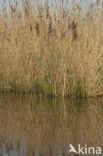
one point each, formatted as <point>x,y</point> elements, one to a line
<point>36,126</point>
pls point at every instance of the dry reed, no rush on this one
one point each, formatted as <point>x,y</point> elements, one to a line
<point>52,51</point>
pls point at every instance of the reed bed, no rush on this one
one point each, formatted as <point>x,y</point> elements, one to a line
<point>52,50</point>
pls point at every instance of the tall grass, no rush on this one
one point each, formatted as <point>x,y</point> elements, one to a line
<point>52,50</point>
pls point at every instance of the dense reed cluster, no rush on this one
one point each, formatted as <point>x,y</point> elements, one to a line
<point>52,50</point>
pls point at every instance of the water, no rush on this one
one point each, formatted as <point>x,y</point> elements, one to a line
<point>36,126</point>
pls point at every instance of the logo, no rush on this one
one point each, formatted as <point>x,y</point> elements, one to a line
<point>85,150</point>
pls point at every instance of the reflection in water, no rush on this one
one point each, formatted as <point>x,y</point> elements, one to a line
<point>32,126</point>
